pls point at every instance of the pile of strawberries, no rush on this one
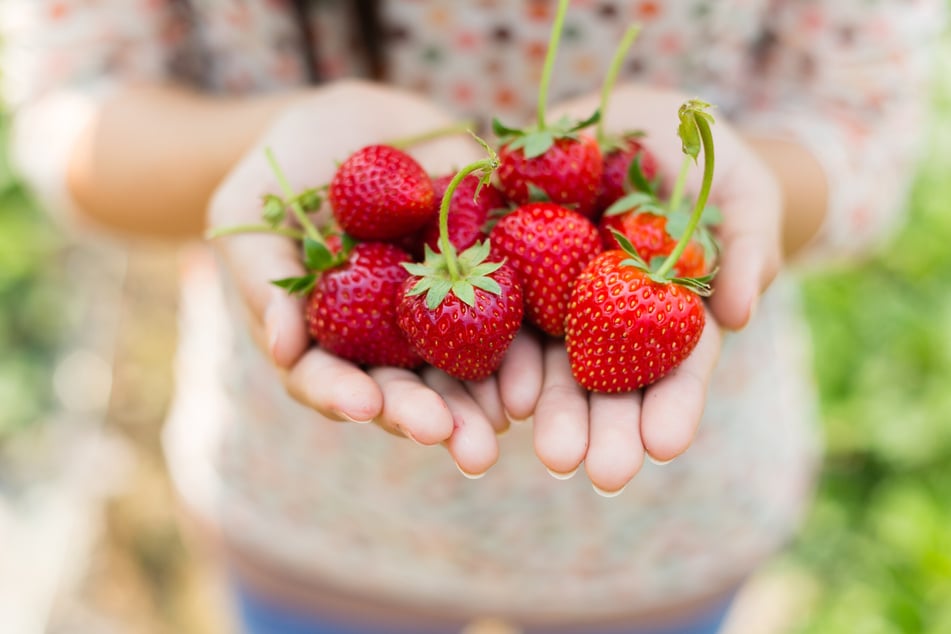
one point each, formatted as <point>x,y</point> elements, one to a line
<point>558,229</point>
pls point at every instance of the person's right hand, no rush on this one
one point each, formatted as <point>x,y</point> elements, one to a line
<point>314,132</point>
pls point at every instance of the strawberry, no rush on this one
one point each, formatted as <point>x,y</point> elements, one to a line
<point>647,232</point>
<point>466,337</point>
<point>553,158</point>
<point>461,312</point>
<point>625,330</point>
<point>568,171</point>
<point>352,310</point>
<point>548,246</point>
<point>619,161</point>
<point>631,322</point>
<point>381,193</point>
<point>468,212</point>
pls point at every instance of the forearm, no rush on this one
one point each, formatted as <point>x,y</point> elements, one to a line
<point>153,155</point>
<point>804,189</point>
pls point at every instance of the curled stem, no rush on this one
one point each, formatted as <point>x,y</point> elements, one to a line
<point>445,245</point>
<point>706,138</point>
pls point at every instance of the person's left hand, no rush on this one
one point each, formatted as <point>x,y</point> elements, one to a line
<point>612,434</point>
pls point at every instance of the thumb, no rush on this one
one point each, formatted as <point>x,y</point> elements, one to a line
<point>255,261</point>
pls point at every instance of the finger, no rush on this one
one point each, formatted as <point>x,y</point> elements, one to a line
<point>473,444</point>
<point>255,261</point>
<point>673,406</point>
<point>561,417</point>
<point>520,377</point>
<point>751,253</point>
<point>615,452</point>
<point>334,387</point>
<point>486,395</point>
<point>411,408</point>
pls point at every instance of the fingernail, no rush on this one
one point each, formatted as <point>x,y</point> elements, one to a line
<point>608,494</point>
<point>517,421</point>
<point>471,476</point>
<point>657,462</point>
<point>350,418</point>
<point>409,435</point>
<point>562,476</point>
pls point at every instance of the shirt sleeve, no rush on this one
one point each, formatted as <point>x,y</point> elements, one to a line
<point>60,59</point>
<point>849,80</point>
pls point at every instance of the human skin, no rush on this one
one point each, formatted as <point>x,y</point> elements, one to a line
<point>191,162</point>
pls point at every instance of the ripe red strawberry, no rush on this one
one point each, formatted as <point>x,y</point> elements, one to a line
<point>553,158</point>
<point>465,337</point>
<point>461,311</point>
<point>548,246</point>
<point>617,167</point>
<point>352,310</point>
<point>631,322</point>
<point>648,234</point>
<point>568,171</point>
<point>625,330</point>
<point>468,212</point>
<point>381,193</point>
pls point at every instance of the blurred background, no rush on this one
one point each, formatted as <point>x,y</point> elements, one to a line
<point>87,521</point>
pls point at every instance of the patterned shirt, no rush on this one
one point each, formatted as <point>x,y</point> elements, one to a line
<point>370,513</point>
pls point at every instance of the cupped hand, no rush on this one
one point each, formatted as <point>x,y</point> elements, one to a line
<point>314,132</point>
<point>611,434</point>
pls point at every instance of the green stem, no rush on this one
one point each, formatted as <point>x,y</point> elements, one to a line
<point>445,246</point>
<point>309,229</point>
<point>706,138</point>
<point>613,71</point>
<point>553,41</point>
<point>406,142</point>
<point>289,232</point>
<point>677,195</point>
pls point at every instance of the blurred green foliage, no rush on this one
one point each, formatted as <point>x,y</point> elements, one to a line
<point>31,301</point>
<point>879,539</point>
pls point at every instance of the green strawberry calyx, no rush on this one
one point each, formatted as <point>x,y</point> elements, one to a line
<point>446,271</point>
<point>536,140</point>
<point>699,285</point>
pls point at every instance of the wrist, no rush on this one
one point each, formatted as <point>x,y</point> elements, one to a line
<point>803,185</point>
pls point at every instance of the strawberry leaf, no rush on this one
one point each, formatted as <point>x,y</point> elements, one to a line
<point>534,144</point>
<point>437,292</point>
<point>504,132</point>
<point>581,125</point>
<point>297,285</point>
<point>630,202</point>
<point>317,257</point>
<point>637,179</point>
<point>677,222</point>
<point>634,258</point>
<point>711,216</point>
<point>536,194</point>
<point>486,268</point>
<point>464,291</point>
<point>487,284</point>
<point>699,285</point>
